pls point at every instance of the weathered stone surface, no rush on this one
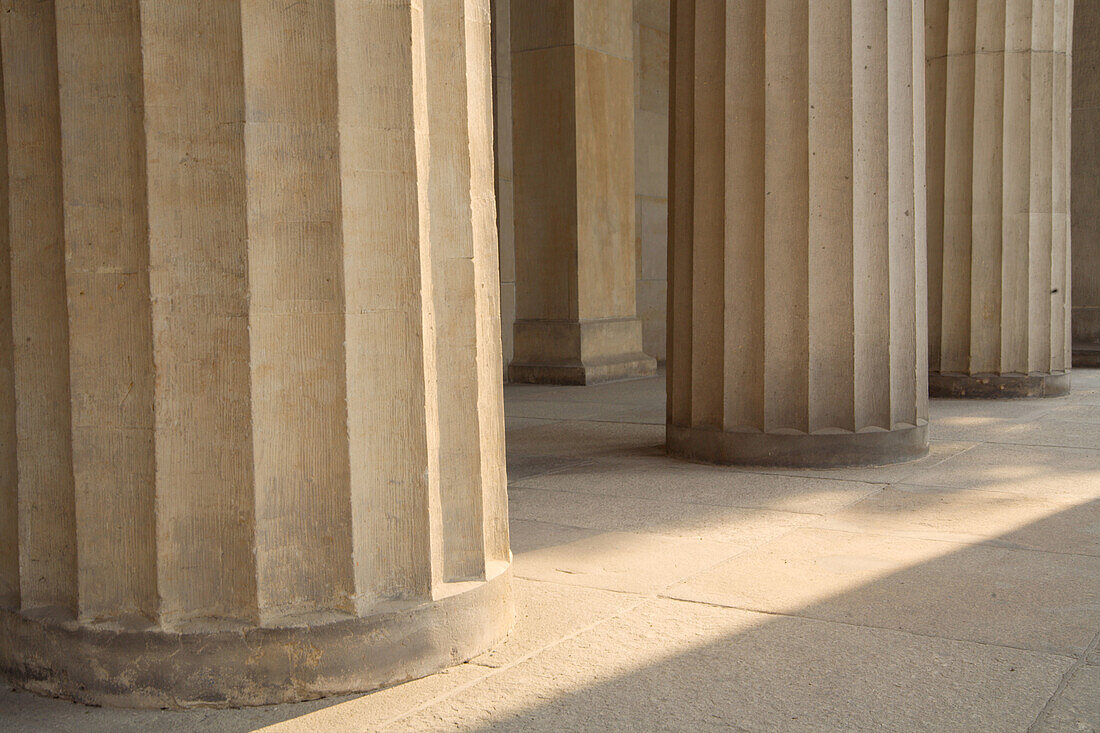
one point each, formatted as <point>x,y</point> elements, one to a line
<point>797,261</point>
<point>998,88</point>
<point>1085,183</point>
<point>252,448</point>
<point>572,76</point>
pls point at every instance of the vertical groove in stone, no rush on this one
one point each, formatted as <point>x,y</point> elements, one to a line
<point>453,277</point>
<point>786,217</point>
<point>110,327</point>
<point>429,317</point>
<point>198,262</point>
<point>680,207</point>
<point>936,39</point>
<point>874,214</point>
<point>1003,188</point>
<point>9,465</point>
<point>829,242</point>
<point>486,285</point>
<point>47,525</point>
<point>802,305</point>
<point>986,187</point>
<point>957,191</point>
<point>1061,302</point>
<point>1016,196</point>
<point>745,205</point>
<point>709,242</point>
<point>1060,341</point>
<point>295,266</point>
<point>1042,245</point>
<point>916,95</point>
<point>908,331</point>
<point>380,86</point>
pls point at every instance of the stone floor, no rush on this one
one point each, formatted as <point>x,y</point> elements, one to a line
<point>960,592</point>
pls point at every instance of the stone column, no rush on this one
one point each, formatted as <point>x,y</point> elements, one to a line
<point>1085,184</point>
<point>573,148</point>
<point>796,232</point>
<point>251,434</point>
<point>998,197</point>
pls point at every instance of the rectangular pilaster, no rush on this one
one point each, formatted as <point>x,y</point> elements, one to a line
<point>573,137</point>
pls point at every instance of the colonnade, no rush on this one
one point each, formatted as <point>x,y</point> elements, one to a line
<point>251,429</point>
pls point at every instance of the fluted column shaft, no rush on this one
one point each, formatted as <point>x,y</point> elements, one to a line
<point>998,197</point>
<point>250,348</point>
<point>796,245</point>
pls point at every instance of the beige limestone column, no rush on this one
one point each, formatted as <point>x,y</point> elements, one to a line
<point>251,433</point>
<point>998,197</point>
<point>1085,184</point>
<point>796,232</point>
<point>573,183</point>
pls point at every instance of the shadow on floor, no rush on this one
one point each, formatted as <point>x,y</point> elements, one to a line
<point>977,638</point>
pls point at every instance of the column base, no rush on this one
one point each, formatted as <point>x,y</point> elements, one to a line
<point>255,665</point>
<point>630,366</point>
<point>1086,355</point>
<point>799,450</point>
<point>579,352</point>
<point>998,386</point>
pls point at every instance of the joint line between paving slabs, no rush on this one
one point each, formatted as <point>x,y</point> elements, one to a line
<point>1079,662</point>
<point>918,634</point>
<point>497,670</point>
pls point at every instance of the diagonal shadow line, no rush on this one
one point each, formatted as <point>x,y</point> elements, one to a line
<point>832,664</point>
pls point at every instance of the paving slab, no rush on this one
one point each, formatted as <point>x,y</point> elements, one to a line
<point>1019,598</point>
<point>547,409</point>
<point>664,478</point>
<point>622,561</point>
<point>589,438</point>
<point>982,420</point>
<point>1077,708</point>
<point>1078,412</point>
<point>524,466</point>
<point>1053,432</point>
<point>996,518</point>
<point>939,451</point>
<point>515,422</point>
<point>549,612</point>
<point>1055,473</point>
<point>648,391</point>
<point>669,518</point>
<point>671,666</point>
